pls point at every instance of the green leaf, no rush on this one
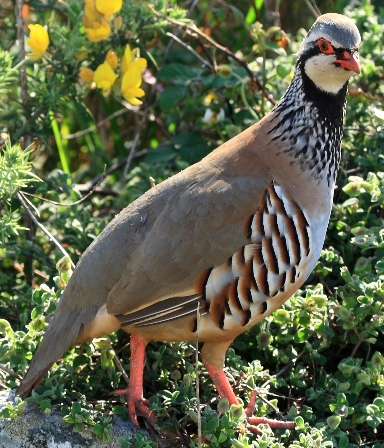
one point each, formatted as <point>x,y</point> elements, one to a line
<point>344,313</point>
<point>223,406</point>
<point>236,412</point>
<point>282,316</point>
<point>378,361</point>
<point>364,378</point>
<point>251,16</point>
<point>300,422</point>
<point>80,360</point>
<point>37,311</point>
<point>283,70</point>
<point>162,154</point>
<point>333,421</point>
<point>176,72</point>
<point>171,96</point>
<point>76,408</point>
<point>5,328</point>
<point>343,441</point>
<point>379,402</point>
<point>192,147</point>
<point>324,329</point>
<point>342,387</point>
<point>302,335</point>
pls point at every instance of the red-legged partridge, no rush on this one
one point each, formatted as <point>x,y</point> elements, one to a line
<point>234,235</point>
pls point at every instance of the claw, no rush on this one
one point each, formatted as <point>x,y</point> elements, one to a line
<point>136,406</point>
<point>250,409</point>
<point>253,421</point>
<point>275,424</point>
<point>225,390</point>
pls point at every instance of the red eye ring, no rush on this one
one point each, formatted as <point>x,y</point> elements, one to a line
<point>324,46</point>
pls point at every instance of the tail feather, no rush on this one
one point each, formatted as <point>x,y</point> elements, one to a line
<point>62,333</point>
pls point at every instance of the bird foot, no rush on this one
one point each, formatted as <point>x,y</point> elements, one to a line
<point>136,406</point>
<point>254,421</point>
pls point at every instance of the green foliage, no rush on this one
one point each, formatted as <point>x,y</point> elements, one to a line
<point>138,441</point>
<point>13,411</point>
<point>15,174</point>
<point>318,359</point>
<point>80,415</point>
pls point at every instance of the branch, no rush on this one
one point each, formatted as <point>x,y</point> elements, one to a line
<point>192,30</point>
<point>25,202</point>
<point>189,48</point>
<point>90,192</point>
<point>97,125</point>
<point>10,371</point>
<point>313,8</point>
<point>23,69</point>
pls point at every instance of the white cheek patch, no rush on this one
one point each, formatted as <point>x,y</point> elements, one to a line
<point>321,69</point>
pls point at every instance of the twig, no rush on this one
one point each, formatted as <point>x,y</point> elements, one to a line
<point>288,366</point>
<point>120,367</point>
<point>113,168</point>
<point>23,69</point>
<point>189,48</point>
<point>284,369</point>
<point>10,371</point>
<point>135,142</point>
<point>313,8</point>
<point>199,433</point>
<point>103,176</point>
<point>38,408</point>
<point>137,136</point>
<point>84,188</point>
<point>272,406</point>
<point>152,181</point>
<point>25,203</point>
<point>192,30</point>
<point>169,46</point>
<point>313,3</point>
<point>97,125</point>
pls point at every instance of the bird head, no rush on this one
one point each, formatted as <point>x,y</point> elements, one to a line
<point>329,52</point>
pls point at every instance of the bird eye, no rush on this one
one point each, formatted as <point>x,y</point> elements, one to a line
<point>325,46</point>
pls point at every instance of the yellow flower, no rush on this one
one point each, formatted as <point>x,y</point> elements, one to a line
<point>91,13</point>
<point>104,77</point>
<point>130,60</point>
<point>212,96</point>
<point>38,41</point>
<point>81,56</point>
<point>130,86</point>
<point>86,75</point>
<point>97,30</point>
<point>111,58</point>
<point>108,7</point>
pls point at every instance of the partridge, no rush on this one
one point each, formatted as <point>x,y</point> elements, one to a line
<point>221,245</point>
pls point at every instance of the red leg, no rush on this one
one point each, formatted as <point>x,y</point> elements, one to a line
<point>221,382</point>
<point>225,390</point>
<point>135,401</point>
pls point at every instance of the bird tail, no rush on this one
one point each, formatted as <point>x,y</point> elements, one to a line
<point>62,333</point>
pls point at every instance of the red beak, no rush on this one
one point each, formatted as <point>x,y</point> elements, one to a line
<point>349,61</point>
